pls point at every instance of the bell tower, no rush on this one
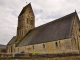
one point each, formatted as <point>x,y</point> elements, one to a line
<point>26,21</point>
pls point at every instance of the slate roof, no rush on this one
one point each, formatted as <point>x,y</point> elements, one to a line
<point>56,30</point>
<point>12,40</point>
<point>2,46</point>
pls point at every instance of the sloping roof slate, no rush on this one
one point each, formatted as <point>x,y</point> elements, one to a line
<point>52,31</point>
<point>12,40</point>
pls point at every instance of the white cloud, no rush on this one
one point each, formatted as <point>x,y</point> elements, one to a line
<point>45,11</point>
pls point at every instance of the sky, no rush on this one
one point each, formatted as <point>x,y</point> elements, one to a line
<point>44,11</point>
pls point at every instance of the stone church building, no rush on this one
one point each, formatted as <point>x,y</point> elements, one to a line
<point>58,36</point>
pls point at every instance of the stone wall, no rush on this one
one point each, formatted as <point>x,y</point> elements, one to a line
<point>76,34</point>
<point>60,46</point>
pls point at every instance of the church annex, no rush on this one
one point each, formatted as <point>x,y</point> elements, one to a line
<point>58,36</point>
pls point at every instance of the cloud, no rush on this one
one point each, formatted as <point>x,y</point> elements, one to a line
<point>38,11</point>
<point>45,11</point>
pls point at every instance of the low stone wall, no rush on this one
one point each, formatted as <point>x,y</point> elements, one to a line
<point>56,58</point>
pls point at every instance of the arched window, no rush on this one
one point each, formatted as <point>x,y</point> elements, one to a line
<point>43,45</point>
<point>56,44</point>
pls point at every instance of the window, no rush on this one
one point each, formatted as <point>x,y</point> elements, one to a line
<point>79,29</point>
<point>56,44</point>
<point>27,20</point>
<point>75,40</point>
<point>43,45</point>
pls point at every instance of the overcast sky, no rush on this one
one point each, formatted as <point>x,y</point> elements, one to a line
<point>44,10</point>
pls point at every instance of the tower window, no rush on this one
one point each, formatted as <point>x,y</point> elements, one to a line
<point>27,20</point>
<point>43,45</point>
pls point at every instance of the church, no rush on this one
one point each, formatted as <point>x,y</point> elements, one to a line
<point>58,36</point>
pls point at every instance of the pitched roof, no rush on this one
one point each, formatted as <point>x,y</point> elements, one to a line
<point>2,46</point>
<point>56,30</point>
<point>12,40</point>
<point>24,9</point>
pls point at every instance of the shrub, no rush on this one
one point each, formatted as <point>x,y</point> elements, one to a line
<point>35,54</point>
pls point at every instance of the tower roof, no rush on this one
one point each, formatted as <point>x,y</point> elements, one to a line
<point>24,9</point>
<point>56,30</point>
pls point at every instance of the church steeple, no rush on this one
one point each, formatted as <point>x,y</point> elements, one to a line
<point>26,21</point>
